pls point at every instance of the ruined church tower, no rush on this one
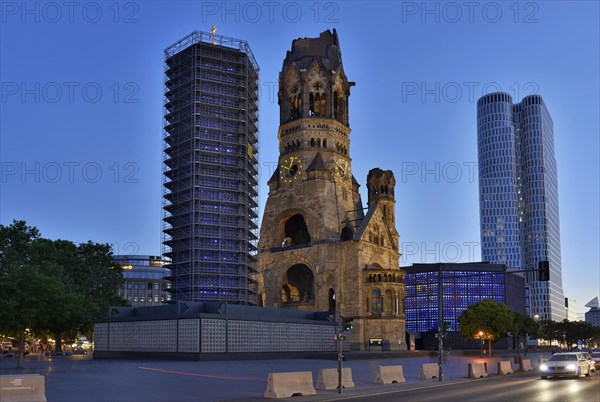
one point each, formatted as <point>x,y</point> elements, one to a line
<point>319,249</point>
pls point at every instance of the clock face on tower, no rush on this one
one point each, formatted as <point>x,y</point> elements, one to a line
<point>290,169</point>
<point>341,169</point>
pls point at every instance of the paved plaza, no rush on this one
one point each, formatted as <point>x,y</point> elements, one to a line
<point>79,378</point>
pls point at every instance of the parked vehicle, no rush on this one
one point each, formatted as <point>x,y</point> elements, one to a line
<point>590,361</point>
<point>565,364</point>
<point>596,359</point>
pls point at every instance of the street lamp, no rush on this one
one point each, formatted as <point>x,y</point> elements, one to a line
<point>481,349</point>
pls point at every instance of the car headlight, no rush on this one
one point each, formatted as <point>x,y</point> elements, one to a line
<point>571,367</point>
<point>543,367</point>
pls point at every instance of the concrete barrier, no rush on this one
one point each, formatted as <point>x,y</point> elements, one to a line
<point>505,367</point>
<point>526,365</point>
<point>428,370</point>
<point>390,375</point>
<point>286,385</point>
<point>477,370</point>
<point>327,379</point>
<point>26,387</point>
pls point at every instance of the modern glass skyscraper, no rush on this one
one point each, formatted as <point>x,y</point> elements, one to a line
<point>210,188</point>
<point>518,191</point>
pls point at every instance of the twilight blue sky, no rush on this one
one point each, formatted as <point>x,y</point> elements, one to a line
<point>81,110</point>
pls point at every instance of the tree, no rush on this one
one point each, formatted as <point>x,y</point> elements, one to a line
<point>523,326</point>
<point>494,319</point>
<point>90,279</point>
<point>550,331</point>
<point>26,290</point>
<point>53,284</point>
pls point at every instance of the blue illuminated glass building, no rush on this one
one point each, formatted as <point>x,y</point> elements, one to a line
<point>463,284</point>
<point>518,190</point>
<point>210,188</point>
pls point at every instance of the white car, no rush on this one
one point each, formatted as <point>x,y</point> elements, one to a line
<point>596,359</point>
<point>565,364</point>
<point>590,361</point>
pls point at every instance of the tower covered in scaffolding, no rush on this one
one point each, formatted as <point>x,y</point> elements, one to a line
<point>210,168</point>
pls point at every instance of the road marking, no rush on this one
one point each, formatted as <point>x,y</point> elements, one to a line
<point>201,375</point>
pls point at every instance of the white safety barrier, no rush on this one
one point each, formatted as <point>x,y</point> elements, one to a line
<point>286,385</point>
<point>428,370</point>
<point>390,375</point>
<point>26,387</point>
<point>505,367</point>
<point>526,365</point>
<point>477,370</point>
<point>327,379</point>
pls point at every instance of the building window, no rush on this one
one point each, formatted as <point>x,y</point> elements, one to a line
<point>376,301</point>
<point>388,302</point>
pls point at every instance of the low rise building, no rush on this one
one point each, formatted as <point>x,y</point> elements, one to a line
<point>144,283</point>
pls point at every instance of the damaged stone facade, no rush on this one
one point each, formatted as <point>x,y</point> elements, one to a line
<point>319,249</point>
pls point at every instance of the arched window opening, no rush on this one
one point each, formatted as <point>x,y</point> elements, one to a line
<point>317,101</point>
<point>336,106</point>
<point>324,143</point>
<point>331,299</point>
<point>296,230</point>
<point>287,292</point>
<point>295,104</point>
<point>298,285</point>
<point>346,234</point>
<point>312,142</point>
<point>376,301</point>
<point>388,303</point>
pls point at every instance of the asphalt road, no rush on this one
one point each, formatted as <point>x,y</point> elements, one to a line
<point>501,389</point>
<point>80,379</point>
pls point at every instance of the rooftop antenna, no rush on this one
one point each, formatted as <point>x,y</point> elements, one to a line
<point>213,31</point>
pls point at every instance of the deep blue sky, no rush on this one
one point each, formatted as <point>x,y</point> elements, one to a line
<point>95,158</point>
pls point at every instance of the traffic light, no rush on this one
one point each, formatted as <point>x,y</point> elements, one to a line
<point>544,271</point>
<point>347,325</point>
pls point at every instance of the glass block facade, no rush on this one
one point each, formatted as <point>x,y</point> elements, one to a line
<point>210,176</point>
<point>144,280</point>
<point>518,190</point>
<point>463,284</point>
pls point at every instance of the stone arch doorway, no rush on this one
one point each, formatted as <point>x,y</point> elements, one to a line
<point>298,285</point>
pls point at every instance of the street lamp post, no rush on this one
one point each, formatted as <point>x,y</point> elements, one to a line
<point>481,349</point>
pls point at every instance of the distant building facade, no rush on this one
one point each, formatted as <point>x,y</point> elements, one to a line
<point>592,316</point>
<point>571,308</point>
<point>518,191</point>
<point>144,280</point>
<point>463,285</point>
<point>210,187</point>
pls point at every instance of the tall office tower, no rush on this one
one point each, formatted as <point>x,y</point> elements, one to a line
<point>210,178</point>
<point>519,196</point>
